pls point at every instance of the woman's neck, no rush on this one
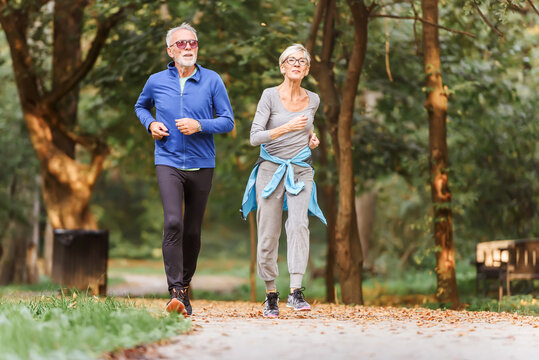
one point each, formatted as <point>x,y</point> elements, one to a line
<point>290,89</point>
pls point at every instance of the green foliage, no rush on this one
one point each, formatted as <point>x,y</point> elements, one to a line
<point>492,135</point>
<point>19,163</point>
<point>79,328</point>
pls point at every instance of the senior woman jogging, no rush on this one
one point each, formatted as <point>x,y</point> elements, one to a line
<point>283,177</point>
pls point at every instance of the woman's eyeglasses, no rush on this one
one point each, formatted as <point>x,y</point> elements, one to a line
<point>292,61</point>
<point>182,44</point>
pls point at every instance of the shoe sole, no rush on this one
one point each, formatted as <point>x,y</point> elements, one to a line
<point>271,316</point>
<point>176,305</point>
<point>300,309</point>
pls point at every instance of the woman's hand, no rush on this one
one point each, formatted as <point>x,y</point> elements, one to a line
<point>297,123</point>
<point>313,141</point>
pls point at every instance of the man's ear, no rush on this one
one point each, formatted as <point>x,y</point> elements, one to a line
<point>169,52</point>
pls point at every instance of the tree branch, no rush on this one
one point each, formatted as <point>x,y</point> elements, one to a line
<point>496,31</point>
<point>54,119</point>
<point>533,6</point>
<point>424,22</point>
<point>99,41</point>
<point>417,47</point>
<point>311,40</point>
<point>328,35</point>
<point>388,68</point>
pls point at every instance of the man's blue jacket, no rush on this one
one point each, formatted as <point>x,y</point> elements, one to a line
<point>204,99</point>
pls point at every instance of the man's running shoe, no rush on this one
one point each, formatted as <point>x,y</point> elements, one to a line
<point>271,307</point>
<point>175,304</point>
<point>296,300</point>
<point>184,298</point>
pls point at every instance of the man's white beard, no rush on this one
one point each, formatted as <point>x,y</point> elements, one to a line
<point>185,63</point>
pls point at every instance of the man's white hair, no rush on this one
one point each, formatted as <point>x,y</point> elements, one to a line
<point>293,49</point>
<point>185,26</point>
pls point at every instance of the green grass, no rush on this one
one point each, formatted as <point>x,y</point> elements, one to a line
<point>79,328</point>
<point>520,304</point>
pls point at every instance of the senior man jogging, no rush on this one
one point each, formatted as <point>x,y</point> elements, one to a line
<point>191,104</point>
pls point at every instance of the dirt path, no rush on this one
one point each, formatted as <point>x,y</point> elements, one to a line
<point>236,330</point>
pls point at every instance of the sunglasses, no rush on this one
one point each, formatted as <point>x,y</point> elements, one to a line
<point>182,44</point>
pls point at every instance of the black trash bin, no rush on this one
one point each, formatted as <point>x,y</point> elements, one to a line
<point>80,259</point>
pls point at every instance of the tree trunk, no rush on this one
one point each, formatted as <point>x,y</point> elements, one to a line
<point>348,249</point>
<point>48,245</point>
<point>67,185</point>
<point>252,230</point>
<point>329,192</point>
<point>12,264</point>
<point>33,243</point>
<point>436,105</point>
<point>339,115</point>
<point>18,260</point>
<point>365,207</point>
<point>66,58</point>
<point>51,116</point>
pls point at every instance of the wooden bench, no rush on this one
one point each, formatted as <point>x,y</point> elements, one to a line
<point>522,264</point>
<point>489,259</point>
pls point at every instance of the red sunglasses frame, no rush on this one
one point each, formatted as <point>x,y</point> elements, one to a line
<point>182,44</point>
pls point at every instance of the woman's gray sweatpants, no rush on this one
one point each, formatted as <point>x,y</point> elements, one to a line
<point>269,220</point>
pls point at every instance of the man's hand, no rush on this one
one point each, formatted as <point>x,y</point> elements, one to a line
<point>158,130</point>
<point>187,126</point>
<point>297,123</point>
<point>313,141</point>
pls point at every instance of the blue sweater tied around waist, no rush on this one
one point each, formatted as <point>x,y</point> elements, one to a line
<point>285,169</point>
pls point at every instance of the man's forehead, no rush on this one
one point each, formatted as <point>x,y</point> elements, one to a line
<point>183,34</point>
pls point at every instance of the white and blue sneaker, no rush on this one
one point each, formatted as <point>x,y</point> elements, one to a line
<point>296,300</point>
<point>271,307</point>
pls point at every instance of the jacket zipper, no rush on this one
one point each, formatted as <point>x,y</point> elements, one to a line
<point>181,115</point>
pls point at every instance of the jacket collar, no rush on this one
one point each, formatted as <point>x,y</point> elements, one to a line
<point>172,69</point>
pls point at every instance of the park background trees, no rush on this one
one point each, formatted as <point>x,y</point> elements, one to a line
<point>491,126</point>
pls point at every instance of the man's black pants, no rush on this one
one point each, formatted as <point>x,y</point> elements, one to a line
<point>181,233</point>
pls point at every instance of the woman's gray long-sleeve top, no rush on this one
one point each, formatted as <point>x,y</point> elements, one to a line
<point>271,113</point>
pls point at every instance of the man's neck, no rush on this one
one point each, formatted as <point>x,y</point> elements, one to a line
<point>185,71</point>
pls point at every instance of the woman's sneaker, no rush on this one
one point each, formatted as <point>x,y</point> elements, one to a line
<point>271,307</point>
<point>296,300</point>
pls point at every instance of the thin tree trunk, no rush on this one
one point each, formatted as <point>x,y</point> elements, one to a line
<point>33,244</point>
<point>252,230</point>
<point>329,192</point>
<point>13,264</point>
<point>48,245</point>
<point>16,238</point>
<point>365,208</point>
<point>436,105</point>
